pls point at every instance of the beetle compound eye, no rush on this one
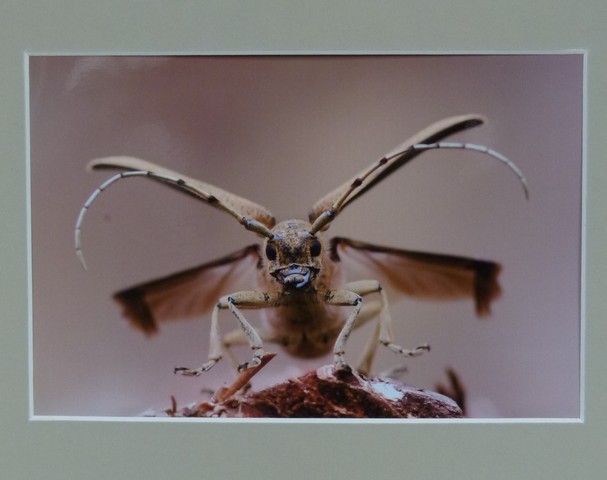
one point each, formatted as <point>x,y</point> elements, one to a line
<point>315,248</point>
<point>271,252</point>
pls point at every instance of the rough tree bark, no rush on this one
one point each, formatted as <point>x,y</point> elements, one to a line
<point>323,393</point>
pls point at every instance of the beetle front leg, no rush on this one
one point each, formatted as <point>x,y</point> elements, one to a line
<point>246,299</point>
<point>238,337</point>
<point>343,298</point>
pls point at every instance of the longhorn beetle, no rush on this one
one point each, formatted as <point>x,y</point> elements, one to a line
<point>298,270</point>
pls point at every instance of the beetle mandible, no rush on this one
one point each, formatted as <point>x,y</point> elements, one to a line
<point>298,270</point>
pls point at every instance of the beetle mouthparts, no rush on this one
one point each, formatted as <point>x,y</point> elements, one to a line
<point>295,276</point>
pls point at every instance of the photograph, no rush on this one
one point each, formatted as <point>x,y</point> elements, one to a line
<point>457,275</point>
<point>335,240</point>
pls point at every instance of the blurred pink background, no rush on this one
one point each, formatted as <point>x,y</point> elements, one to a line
<point>283,131</point>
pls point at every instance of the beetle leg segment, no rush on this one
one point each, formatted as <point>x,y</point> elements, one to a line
<point>366,359</point>
<point>245,300</point>
<point>230,339</point>
<point>343,298</point>
<point>383,333</point>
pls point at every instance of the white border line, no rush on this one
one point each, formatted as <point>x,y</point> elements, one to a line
<point>582,226</point>
<point>583,243</point>
<point>290,53</point>
<point>333,421</point>
<point>28,213</point>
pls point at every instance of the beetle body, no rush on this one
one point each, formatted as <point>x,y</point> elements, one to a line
<point>310,309</point>
<point>300,269</point>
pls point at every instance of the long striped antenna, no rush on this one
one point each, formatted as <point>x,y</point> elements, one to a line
<point>249,223</point>
<point>482,149</point>
<point>432,137</point>
<point>383,168</point>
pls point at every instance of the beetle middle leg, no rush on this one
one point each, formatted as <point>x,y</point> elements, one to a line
<point>233,302</point>
<point>383,333</point>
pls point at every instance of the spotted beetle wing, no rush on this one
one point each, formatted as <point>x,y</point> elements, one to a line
<point>187,294</point>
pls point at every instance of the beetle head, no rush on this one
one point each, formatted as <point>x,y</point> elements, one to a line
<point>293,254</point>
